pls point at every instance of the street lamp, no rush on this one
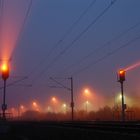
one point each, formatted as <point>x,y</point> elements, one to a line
<point>86,91</point>
<point>54,101</point>
<point>48,109</point>
<point>87,96</point>
<point>20,110</point>
<point>64,106</point>
<point>5,75</point>
<point>35,106</point>
<point>86,103</point>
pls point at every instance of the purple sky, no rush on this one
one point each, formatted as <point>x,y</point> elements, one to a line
<point>54,26</point>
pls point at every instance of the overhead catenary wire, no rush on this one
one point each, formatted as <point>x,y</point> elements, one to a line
<point>105,45</point>
<point>1,7</point>
<point>106,56</point>
<point>1,21</point>
<point>60,84</point>
<point>66,34</point>
<point>77,21</point>
<point>19,36</point>
<point>22,28</point>
<point>15,82</point>
<point>77,37</point>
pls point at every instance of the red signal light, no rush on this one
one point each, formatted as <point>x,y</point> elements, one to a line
<point>5,71</point>
<point>121,75</point>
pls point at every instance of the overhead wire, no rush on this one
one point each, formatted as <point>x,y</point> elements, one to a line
<point>77,21</point>
<point>22,27</point>
<point>106,55</point>
<point>15,82</point>
<point>59,42</point>
<point>1,7</point>
<point>1,10</point>
<point>1,20</point>
<point>19,36</point>
<point>77,37</point>
<point>105,45</point>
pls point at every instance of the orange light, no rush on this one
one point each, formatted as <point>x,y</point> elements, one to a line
<point>4,68</point>
<point>86,91</point>
<point>22,107</point>
<point>34,104</point>
<point>64,105</point>
<point>121,72</point>
<point>5,71</point>
<point>87,102</point>
<point>53,99</point>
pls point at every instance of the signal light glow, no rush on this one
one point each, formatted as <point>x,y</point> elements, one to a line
<point>121,72</point>
<point>4,68</point>
<point>132,66</point>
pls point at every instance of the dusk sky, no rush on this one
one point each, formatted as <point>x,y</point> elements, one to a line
<point>89,40</point>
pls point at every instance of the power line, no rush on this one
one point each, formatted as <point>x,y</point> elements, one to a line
<point>15,82</point>
<point>88,27</point>
<point>19,36</point>
<point>1,7</point>
<point>105,45</point>
<point>63,86</point>
<point>77,21</point>
<point>1,18</point>
<point>107,55</point>
<point>59,42</point>
<point>77,37</point>
<point>22,27</point>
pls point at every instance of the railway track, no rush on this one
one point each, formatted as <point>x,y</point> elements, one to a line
<point>69,130</point>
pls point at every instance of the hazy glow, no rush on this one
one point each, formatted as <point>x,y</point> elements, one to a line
<point>64,105</point>
<point>87,102</point>
<point>121,72</point>
<point>120,96</point>
<point>86,91</point>
<point>130,101</point>
<point>132,66</point>
<point>11,24</point>
<point>94,98</point>
<point>49,109</point>
<point>4,67</point>
<point>22,107</point>
<point>34,104</point>
<point>54,99</point>
<point>14,112</point>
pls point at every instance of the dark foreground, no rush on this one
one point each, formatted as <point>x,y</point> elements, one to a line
<point>19,130</point>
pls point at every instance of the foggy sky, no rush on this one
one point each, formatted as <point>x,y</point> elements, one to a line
<point>48,22</point>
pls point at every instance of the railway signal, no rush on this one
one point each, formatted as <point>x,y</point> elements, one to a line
<point>5,76</point>
<point>121,76</point>
<point>121,79</point>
